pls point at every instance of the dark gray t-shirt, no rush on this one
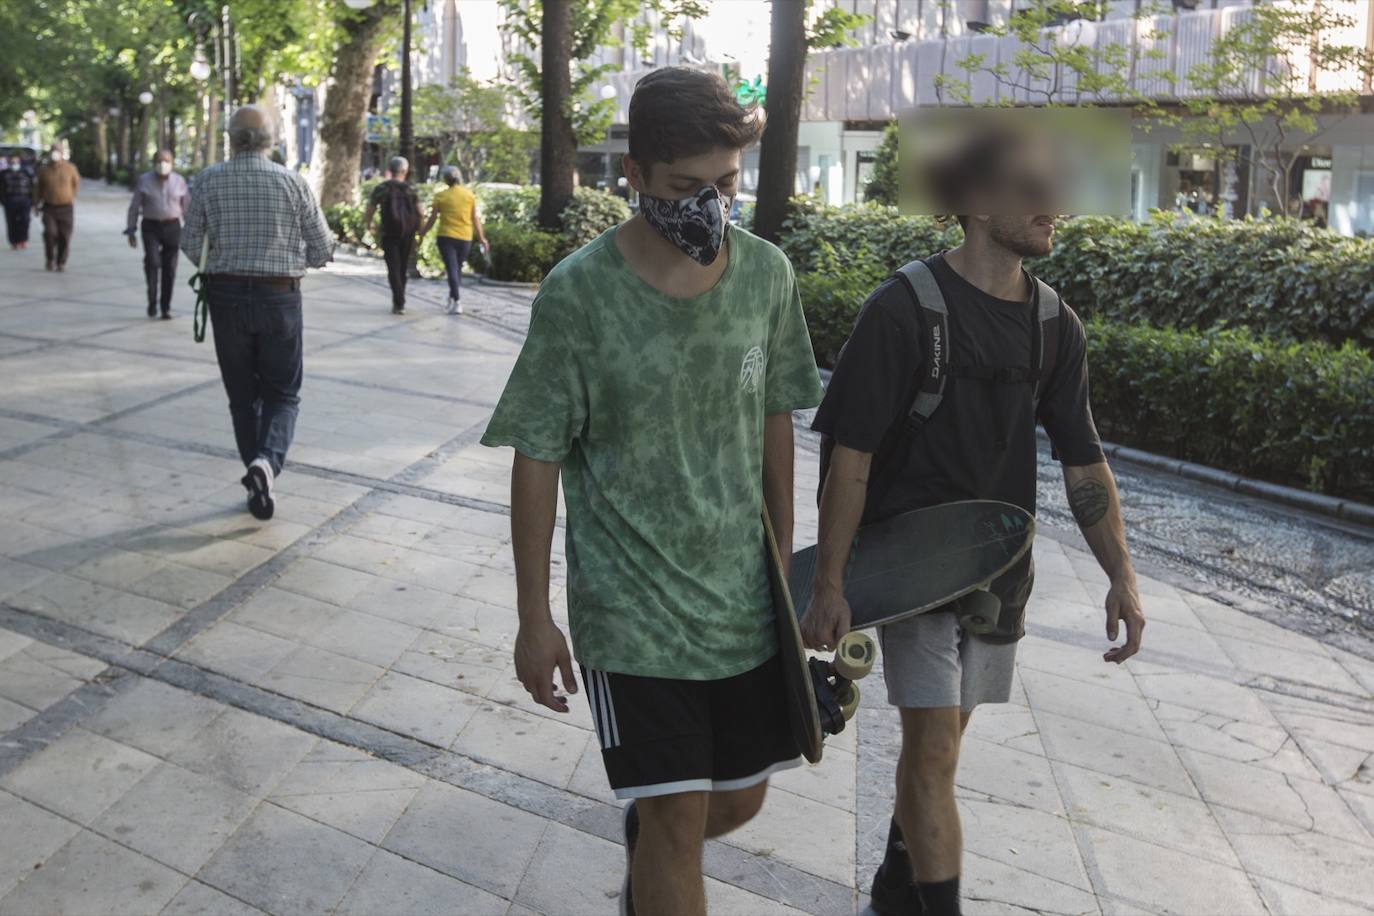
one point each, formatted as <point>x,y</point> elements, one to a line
<point>980,444</point>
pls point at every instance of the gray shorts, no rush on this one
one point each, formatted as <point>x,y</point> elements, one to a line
<point>929,662</point>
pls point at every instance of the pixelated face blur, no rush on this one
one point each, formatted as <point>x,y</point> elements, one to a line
<point>1023,236</point>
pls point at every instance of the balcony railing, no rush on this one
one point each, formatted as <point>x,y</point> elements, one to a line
<point>878,82</point>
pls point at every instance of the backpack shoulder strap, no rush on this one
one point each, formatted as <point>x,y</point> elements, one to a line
<point>934,318</point>
<point>1047,333</point>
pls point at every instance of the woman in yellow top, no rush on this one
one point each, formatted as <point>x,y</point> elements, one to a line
<point>455,207</point>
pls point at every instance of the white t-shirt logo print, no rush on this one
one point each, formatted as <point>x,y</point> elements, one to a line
<point>751,370</point>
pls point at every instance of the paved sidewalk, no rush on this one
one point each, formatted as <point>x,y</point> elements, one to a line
<point>204,714</point>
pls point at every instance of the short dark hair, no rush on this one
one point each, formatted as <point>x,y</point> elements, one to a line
<point>677,112</point>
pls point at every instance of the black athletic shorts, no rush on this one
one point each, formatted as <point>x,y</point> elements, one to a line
<point>661,736</point>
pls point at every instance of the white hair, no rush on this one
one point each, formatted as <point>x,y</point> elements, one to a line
<point>250,138</point>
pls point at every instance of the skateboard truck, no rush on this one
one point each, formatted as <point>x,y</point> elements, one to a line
<point>837,696</point>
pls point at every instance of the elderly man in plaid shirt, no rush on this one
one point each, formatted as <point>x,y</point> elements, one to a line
<point>264,229</point>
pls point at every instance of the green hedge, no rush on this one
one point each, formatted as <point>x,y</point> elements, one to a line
<point>831,302</point>
<point>1281,277</point>
<point>522,253</point>
<point>520,250</point>
<point>1293,413</point>
<point>1253,401</point>
<point>870,240</point>
<point>1300,414</point>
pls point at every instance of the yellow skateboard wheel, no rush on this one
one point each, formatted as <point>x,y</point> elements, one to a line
<point>854,656</point>
<point>849,701</point>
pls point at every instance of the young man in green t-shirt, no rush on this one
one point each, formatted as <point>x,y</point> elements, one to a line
<point>660,373</point>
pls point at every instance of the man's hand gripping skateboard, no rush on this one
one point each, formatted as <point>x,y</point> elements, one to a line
<point>825,625</point>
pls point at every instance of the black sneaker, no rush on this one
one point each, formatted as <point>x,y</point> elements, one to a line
<point>261,502</point>
<point>167,316</point>
<point>627,903</point>
<point>152,309</point>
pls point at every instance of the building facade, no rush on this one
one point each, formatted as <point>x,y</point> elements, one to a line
<point>904,45</point>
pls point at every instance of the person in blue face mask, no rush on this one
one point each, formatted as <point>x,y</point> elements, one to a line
<point>662,366</point>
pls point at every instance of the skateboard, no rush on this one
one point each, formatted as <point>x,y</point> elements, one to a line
<point>821,694</point>
<point>943,557</point>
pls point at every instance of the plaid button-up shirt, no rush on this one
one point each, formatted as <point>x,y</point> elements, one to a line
<point>262,220</point>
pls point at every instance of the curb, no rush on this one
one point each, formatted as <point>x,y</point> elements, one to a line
<point>514,284</point>
<point>1332,506</point>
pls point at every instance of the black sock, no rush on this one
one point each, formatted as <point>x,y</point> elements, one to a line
<point>896,861</point>
<point>940,898</point>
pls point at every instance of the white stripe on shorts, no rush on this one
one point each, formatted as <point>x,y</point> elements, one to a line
<point>603,711</point>
<point>615,726</point>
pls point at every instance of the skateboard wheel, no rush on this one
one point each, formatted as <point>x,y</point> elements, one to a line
<point>854,656</point>
<point>978,611</point>
<point>849,701</point>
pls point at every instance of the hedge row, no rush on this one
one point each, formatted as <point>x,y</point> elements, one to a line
<point>1300,414</point>
<point>520,251</point>
<point>1281,277</point>
<point>1294,413</point>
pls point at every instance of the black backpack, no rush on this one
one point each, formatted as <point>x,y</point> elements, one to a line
<point>398,211</point>
<point>933,316</point>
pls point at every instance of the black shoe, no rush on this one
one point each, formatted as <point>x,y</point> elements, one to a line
<point>48,266</point>
<point>261,502</point>
<point>397,310</point>
<point>152,310</point>
<point>166,316</point>
<point>627,903</point>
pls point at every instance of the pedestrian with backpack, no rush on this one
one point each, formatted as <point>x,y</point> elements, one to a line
<point>400,209</point>
<point>935,399</point>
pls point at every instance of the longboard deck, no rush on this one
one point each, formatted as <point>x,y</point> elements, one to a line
<point>802,712</point>
<point>922,560</point>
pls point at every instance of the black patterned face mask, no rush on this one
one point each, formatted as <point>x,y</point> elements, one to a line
<point>694,224</point>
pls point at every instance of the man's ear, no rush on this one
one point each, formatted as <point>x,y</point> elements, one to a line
<point>634,172</point>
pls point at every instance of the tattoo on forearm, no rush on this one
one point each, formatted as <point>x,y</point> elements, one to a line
<point>1089,501</point>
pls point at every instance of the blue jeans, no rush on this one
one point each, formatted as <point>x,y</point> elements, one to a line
<point>454,253</point>
<point>258,341</point>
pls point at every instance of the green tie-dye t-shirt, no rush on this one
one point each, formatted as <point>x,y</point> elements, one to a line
<point>655,408</point>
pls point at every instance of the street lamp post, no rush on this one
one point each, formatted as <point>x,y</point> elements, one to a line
<point>145,98</point>
<point>221,28</point>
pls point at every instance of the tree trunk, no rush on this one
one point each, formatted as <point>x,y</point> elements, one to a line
<point>345,103</point>
<point>778,151</point>
<point>407,89</point>
<point>102,146</point>
<point>558,143</point>
<point>140,155</point>
<point>124,135</point>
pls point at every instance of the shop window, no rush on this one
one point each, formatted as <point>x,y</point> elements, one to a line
<point>1363,221</point>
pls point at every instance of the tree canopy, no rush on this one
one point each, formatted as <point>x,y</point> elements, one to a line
<point>71,60</point>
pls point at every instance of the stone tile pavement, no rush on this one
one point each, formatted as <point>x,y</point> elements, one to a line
<point>203,714</point>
